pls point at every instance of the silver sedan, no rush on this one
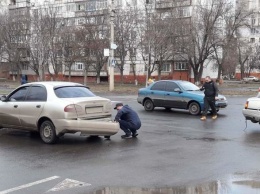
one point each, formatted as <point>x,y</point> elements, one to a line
<point>56,108</point>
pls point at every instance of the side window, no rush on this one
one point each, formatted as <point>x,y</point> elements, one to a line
<point>19,95</point>
<point>170,86</point>
<point>159,86</point>
<point>37,93</point>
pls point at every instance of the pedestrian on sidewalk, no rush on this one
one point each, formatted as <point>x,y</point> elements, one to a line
<point>128,119</point>
<point>211,95</point>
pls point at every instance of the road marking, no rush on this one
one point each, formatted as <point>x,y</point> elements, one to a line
<point>29,185</point>
<point>68,184</point>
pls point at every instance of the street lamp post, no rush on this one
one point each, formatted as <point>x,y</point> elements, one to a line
<point>111,58</point>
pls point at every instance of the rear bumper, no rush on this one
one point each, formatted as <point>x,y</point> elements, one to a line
<point>86,127</point>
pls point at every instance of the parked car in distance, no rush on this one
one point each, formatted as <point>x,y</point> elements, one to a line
<point>175,94</point>
<point>55,108</point>
<point>251,109</point>
<point>250,79</point>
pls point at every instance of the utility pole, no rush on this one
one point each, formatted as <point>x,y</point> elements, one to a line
<point>149,41</point>
<point>111,57</point>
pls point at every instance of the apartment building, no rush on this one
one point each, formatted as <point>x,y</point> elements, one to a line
<point>250,36</point>
<point>79,12</point>
<point>74,13</point>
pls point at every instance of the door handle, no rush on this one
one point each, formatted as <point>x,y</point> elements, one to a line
<point>151,92</point>
<point>15,106</point>
<point>168,94</point>
<point>38,106</point>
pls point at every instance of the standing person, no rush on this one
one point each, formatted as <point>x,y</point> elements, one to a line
<point>128,119</point>
<point>211,95</point>
<point>150,81</point>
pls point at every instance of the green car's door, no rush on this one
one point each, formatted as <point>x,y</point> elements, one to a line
<point>173,97</point>
<point>157,92</point>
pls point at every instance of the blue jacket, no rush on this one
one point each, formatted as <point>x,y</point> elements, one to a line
<point>23,79</point>
<point>129,115</point>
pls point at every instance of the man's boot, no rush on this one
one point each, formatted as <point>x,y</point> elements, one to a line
<point>203,118</point>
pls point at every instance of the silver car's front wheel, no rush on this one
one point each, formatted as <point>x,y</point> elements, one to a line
<point>48,132</point>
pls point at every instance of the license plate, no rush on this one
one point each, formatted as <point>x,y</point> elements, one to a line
<point>91,110</point>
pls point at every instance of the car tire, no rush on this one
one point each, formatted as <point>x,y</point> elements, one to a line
<point>48,132</point>
<point>148,105</point>
<point>194,108</point>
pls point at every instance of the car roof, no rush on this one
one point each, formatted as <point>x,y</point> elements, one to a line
<point>55,83</point>
<point>173,80</point>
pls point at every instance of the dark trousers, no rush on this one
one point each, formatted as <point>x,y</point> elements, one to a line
<point>127,127</point>
<point>209,102</point>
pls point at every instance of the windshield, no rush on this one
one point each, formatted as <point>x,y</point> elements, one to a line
<point>73,92</point>
<point>188,86</point>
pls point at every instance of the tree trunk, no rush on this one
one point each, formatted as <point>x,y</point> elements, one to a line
<point>121,75</point>
<point>98,77</point>
<point>135,78</point>
<point>69,72</point>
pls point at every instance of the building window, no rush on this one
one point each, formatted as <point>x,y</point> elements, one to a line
<point>91,20</point>
<point>80,21</point>
<point>71,7</point>
<point>91,6</point>
<point>71,22</point>
<point>80,7</point>
<point>166,67</point>
<point>253,21</point>
<point>79,66</point>
<point>184,12</point>
<point>253,30</point>
<point>181,65</point>
<point>252,40</point>
<point>25,66</point>
<point>132,68</point>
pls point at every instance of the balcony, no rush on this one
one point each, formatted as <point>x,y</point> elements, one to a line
<point>170,4</point>
<point>12,6</point>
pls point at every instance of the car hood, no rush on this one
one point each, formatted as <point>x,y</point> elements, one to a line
<point>201,93</point>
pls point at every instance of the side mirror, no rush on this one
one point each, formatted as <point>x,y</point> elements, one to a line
<point>3,98</point>
<point>177,90</point>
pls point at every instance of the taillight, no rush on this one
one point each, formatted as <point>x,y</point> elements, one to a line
<point>73,108</point>
<point>246,105</point>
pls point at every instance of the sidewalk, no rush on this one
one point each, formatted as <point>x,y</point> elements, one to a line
<point>228,89</point>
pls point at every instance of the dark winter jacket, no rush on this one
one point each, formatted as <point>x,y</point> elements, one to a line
<point>210,89</point>
<point>129,115</point>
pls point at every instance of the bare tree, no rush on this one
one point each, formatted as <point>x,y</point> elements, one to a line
<point>233,21</point>
<point>95,43</point>
<point>14,33</point>
<point>71,47</point>
<point>124,36</point>
<point>244,50</point>
<point>54,25</point>
<point>38,45</point>
<point>199,45</point>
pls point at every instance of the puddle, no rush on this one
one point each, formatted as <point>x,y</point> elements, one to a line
<point>208,139</point>
<point>246,186</point>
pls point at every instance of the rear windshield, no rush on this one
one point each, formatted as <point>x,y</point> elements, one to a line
<point>73,92</point>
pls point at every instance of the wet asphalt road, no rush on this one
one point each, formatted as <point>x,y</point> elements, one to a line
<point>173,149</point>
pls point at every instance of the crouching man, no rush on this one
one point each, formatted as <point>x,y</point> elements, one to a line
<point>128,119</point>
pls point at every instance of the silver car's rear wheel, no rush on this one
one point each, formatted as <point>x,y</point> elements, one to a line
<point>48,132</point>
<point>194,108</point>
<point>148,105</point>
